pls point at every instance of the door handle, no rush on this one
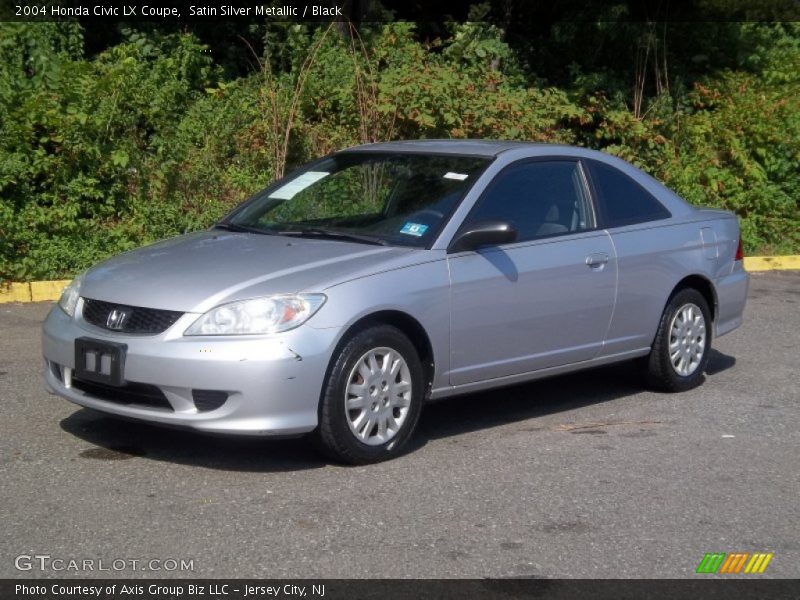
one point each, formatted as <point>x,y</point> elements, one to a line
<point>596,260</point>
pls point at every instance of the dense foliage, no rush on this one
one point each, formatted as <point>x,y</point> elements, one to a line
<point>104,149</point>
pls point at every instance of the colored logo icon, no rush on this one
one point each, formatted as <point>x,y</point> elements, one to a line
<point>734,562</point>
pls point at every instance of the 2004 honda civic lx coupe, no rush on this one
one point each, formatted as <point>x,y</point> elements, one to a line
<point>344,296</point>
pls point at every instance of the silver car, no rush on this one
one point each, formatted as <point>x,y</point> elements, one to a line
<point>343,297</point>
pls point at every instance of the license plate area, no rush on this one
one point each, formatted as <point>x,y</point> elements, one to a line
<point>100,361</point>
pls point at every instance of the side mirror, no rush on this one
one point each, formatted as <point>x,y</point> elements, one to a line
<point>483,233</point>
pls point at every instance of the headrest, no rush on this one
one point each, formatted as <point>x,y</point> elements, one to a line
<point>552,214</point>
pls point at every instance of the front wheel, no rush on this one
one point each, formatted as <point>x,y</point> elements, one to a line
<point>372,397</point>
<point>682,345</point>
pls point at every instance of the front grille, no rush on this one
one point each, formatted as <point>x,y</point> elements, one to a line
<point>205,400</point>
<point>130,393</point>
<point>138,319</point>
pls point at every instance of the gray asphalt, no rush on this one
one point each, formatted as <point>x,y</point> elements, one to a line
<point>580,476</point>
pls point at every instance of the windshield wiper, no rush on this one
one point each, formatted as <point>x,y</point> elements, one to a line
<point>334,235</point>
<point>240,228</point>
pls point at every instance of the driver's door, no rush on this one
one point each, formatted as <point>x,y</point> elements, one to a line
<point>544,300</point>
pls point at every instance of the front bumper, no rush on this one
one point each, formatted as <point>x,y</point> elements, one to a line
<point>272,383</point>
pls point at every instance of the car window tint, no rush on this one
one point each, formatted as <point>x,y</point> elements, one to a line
<point>539,198</point>
<point>622,201</point>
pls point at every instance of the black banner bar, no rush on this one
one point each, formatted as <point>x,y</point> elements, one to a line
<point>385,589</point>
<point>374,11</point>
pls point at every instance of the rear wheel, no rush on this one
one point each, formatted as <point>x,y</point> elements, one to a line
<point>372,397</point>
<point>682,345</point>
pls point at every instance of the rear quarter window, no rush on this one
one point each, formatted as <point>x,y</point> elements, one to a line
<point>620,199</point>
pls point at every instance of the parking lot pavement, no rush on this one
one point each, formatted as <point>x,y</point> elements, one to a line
<point>580,476</point>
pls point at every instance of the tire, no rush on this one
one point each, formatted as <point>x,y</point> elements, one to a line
<point>675,363</point>
<point>382,408</point>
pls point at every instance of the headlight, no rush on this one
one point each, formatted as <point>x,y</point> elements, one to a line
<point>70,295</point>
<point>272,314</point>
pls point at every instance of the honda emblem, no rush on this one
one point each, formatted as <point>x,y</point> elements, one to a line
<point>116,319</point>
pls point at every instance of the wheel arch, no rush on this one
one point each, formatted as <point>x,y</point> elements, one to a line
<point>704,286</point>
<point>408,325</point>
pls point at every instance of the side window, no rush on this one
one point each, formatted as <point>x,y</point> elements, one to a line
<point>539,198</point>
<point>621,200</point>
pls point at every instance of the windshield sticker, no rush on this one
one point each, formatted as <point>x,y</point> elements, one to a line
<point>415,229</point>
<point>297,185</point>
<point>457,176</point>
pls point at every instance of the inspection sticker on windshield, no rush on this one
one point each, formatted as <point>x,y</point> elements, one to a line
<point>458,176</point>
<point>415,229</point>
<point>297,185</point>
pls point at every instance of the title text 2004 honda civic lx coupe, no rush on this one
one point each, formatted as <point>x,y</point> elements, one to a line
<point>344,296</point>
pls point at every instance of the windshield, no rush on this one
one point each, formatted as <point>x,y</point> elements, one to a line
<point>401,198</point>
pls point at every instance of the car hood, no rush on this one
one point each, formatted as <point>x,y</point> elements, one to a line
<point>195,272</point>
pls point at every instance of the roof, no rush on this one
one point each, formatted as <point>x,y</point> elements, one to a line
<point>486,148</point>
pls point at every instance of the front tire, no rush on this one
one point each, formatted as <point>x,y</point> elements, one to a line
<point>372,397</point>
<point>682,345</point>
